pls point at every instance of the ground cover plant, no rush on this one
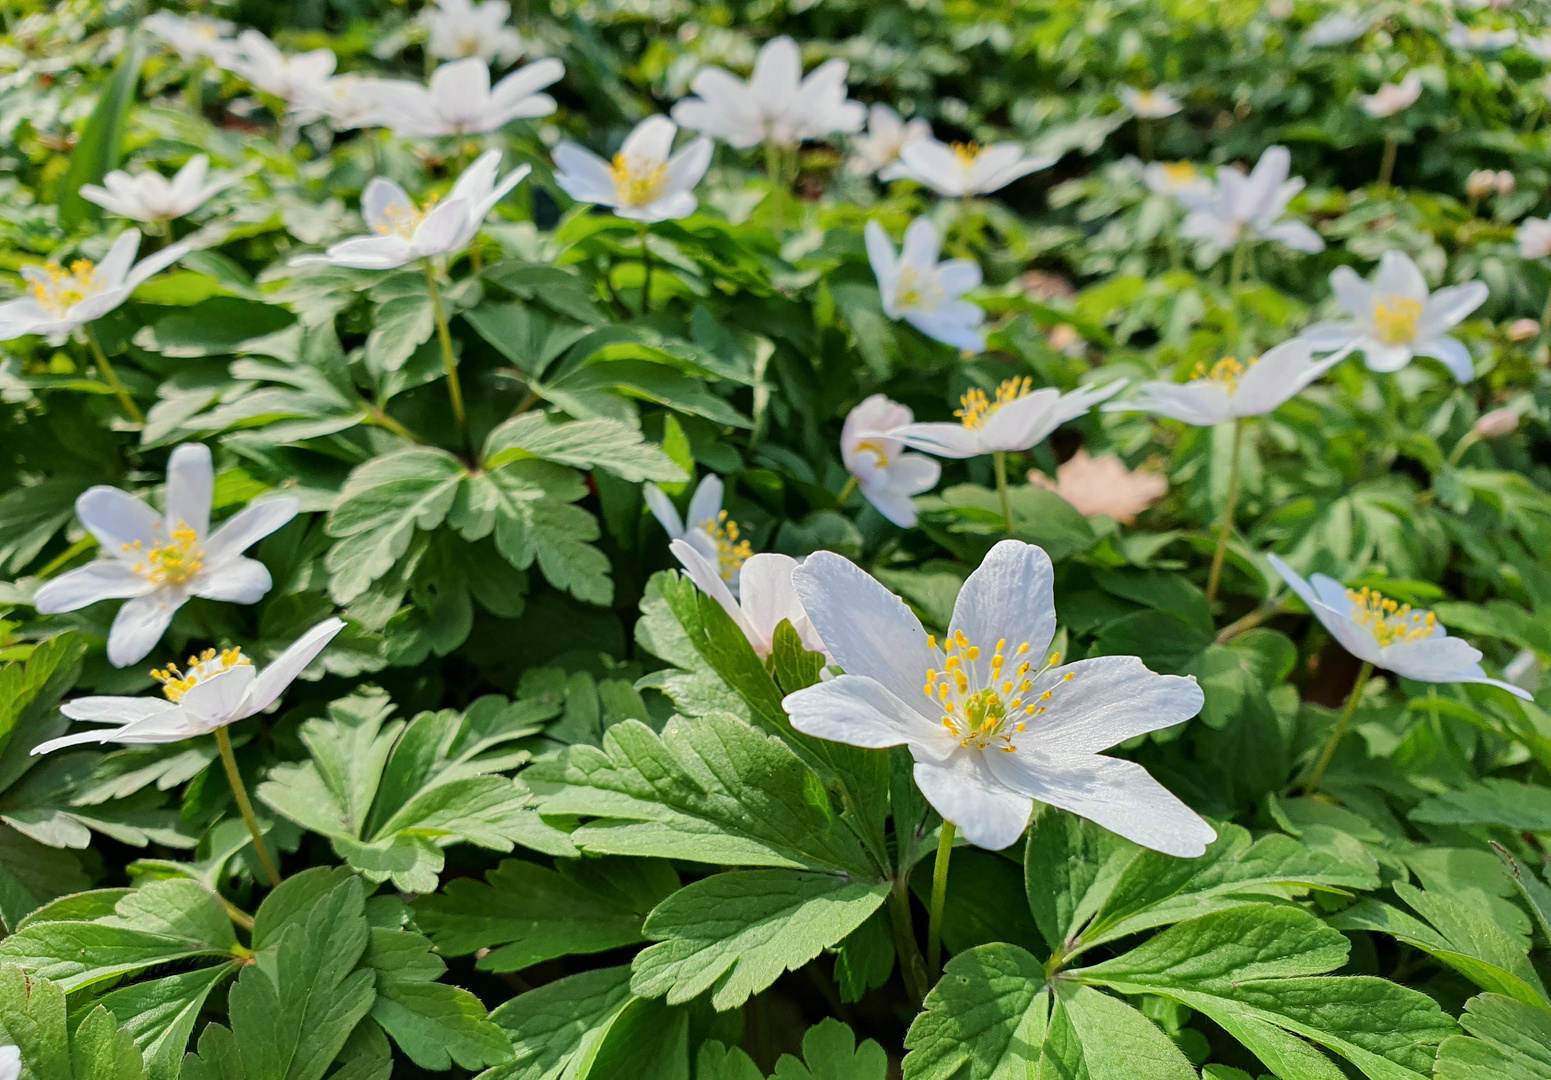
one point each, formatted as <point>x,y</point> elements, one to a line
<point>815,541</point>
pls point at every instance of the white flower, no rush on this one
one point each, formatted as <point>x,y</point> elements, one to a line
<point>992,722</point>
<point>878,150</point>
<point>10,1063</point>
<point>158,562</point>
<point>765,597</point>
<point>217,689</point>
<point>1149,104</point>
<point>406,232</point>
<point>1016,418</point>
<point>776,104</point>
<point>1480,38</point>
<point>886,475</point>
<point>1392,97</point>
<point>150,198</point>
<point>1538,47</point>
<point>350,101</point>
<point>461,101</point>
<point>924,292</point>
<point>1337,28</point>
<point>1252,204</point>
<point>60,300</point>
<point>1178,179</point>
<point>459,28</point>
<point>1229,390</point>
<point>1394,318</point>
<point>290,78</point>
<point>707,528</point>
<point>1534,238</point>
<point>193,37</point>
<point>962,169</point>
<point>1389,635</point>
<point>643,182</point>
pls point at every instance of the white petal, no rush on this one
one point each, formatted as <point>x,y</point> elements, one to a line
<point>106,579</point>
<point>944,440</point>
<point>114,267</point>
<point>218,700</point>
<point>1011,596</point>
<point>1351,291</point>
<point>1398,276</point>
<point>140,624</point>
<point>1446,307</point>
<point>859,711</point>
<point>708,579</point>
<point>115,710</point>
<point>445,230</point>
<point>274,679</point>
<point>190,488</point>
<point>583,175</point>
<point>239,581</point>
<point>1107,700</point>
<point>963,790</point>
<point>1280,374</point>
<point>1202,403</point>
<point>248,526</point>
<point>706,503</point>
<point>384,202</point>
<point>921,246</point>
<point>663,510</point>
<point>371,252</point>
<point>1452,353</point>
<point>767,596</point>
<point>117,518</point>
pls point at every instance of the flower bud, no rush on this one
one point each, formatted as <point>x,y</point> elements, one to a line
<point>1497,423</point>
<point>1523,330</point>
<point>1481,183</point>
<point>1504,182</point>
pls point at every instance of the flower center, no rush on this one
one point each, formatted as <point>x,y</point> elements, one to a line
<point>1181,172</point>
<point>875,448</point>
<point>635,185</point>
<point>1146,98</point>
<point>967,152</point>
<point>402,221</point>
<point>1395,318</point>
<point>1226,372</point>
<point>975,408</point>
<point>918,290</point>
<point>58,290</point>
<point>991,714</point>
<point>202,668</point>
<point>731,553</point>
<point>1389,622</point>
<point>172,563</point>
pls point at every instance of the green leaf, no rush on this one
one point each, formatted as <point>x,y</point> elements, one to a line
<point>101,144</point>
<point>31,875</point>
<point>32,1018</point>
<point>830,1052</point>
<point>735,933</point>
<point>400,325</point>
<point>713,790</point>
<point>1508,1040</point>
<point>582,444</point>
<point>159,1014</point>
<point>379,508</point>
<point>561,1023</point>
<point>1493,801</point>
<point>525,914</point>
<point>1070,867</point>
<point>984,1020</point>
<point>1258,971</point>
<point>524,334</point>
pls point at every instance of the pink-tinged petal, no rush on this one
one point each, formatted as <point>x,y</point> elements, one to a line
<point>106,579</point>
<point>219,700</point>
<point>1118,795</point>
<point>248,526</point>
<point>859,711</point>
<point>943,440</point>
<point>874,414</point>
<point>116,518</point>
<point>1452,353</point>
<point>371,253</point>
<point>867,629</point>
<point>1099,702</point>
<point>190,488</point>
<point>115,710</point>
<point>140,624</point>
<point>964,791</point>
<point>114,267</point>
<point>274,679</point>
<point>708,579</point>
<point>1011,597</point>
<point>238,581</point>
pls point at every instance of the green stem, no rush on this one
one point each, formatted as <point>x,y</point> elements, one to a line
<point>845,492</point>
<point>911,964</point>
<point>449,361</point>
<point>999,459</point>
<point>646,271</point>
<point>939,897</point>
<point>103,365</point>
<point>383,420</point>
<point>1144,138</point>
<point>1236,269</point>
<point>1221,553</point>
<point>1545,316</point>
<point>1469,439</point>
<point>240,793</point>
<point>1341,725</point>
<point>85,543</point>
<point>1387,166</point>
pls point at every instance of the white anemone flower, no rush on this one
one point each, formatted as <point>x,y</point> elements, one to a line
<point>1179,180</point>
<point>924,292</point>
<point>1390,635</point>
<point>1149,104</point>
<point>1480,38</point>
<point>1338,28</point>
<point>193,37</point>
<point>1534,238</point>
<point>957,170</point>
<point>776,105</point>
<point>350,101</point>
<point>217,689</point>
<point>158,562</point>
<point>460,100</point>
<point>765,597</point>
<point>459,28</point>
<point>1252,206</point>
<point>291,78</point>
<point>152,198</point>
<point>646,181</point>
<point>1014,418</point>
<point>887,476</point>
<point>1230,389</point>
<point>1391,98</point>
<point>994,722</point>
<point>706,528</point>
<point>62,299</point>
<point>405,232</point>
<point>878,150</point>
<point>1394,318</point>
<point>1538,47</point>
<point>10,1063</point>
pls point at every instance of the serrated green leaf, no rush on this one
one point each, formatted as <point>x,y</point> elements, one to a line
<point>379,508</point>
<point>984,1020</point>
<point>560,1023</point>
<point>159,1014</point>
<point>433,1023</point>
<point>582,444</point>
<point>1508,1040</point>
<point>33,1018</point>
<point>830,1052</point>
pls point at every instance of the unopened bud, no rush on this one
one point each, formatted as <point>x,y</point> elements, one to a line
<point>1505,183</point>
<point>1497,423</point>
<point>1481,183</point>
<point>1523,330</point>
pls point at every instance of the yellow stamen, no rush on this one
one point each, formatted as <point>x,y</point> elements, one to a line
<point>207,665</point>
<point>975,408</point>
<point>402,221</point>
<point>731,552</point>
<point>172,563</point>
<point>1395,318</point>
<point>59,290</point>
<point>1226,372</point>
<point>978,706</point>
<point>967,152</point>
<point>1389,622</point>
<point>1181,172</point>
<point>634,186</point>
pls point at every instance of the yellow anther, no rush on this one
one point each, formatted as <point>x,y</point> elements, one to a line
<point>967,152</point>
<point>973,652</point>
<point>1022,649</point>
<point>931,641</point>
<point>201,668</point>
<point>1387,620</point>
<point>1395,318</point>
<point>402,221</point>
<point>1226,372</point>
<point>171,563</point>
<point>637,188</point>
<point>731,552</point>
<point>59,290</point>
<point>1181,172</point>
<point>975,408</point>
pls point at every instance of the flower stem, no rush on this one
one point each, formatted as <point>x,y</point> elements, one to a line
<point>1227,515</point>
<point>85,543</point>
<point>1469,439</point>
<point>1545,316</point>
<point>1387,166</point>
<point>999,459</point>
<point>845,492</point>
<point>130,408</point>
<point>911,965</point>
<point>939,897</point>
<point>240,793</point>
<point>1341,725</point>
<point>449,362</point>
<point>646,271</point>
<point>1144,138</point>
